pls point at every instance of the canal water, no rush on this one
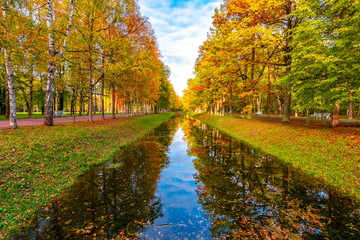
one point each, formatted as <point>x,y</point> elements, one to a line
<point>187,180</point>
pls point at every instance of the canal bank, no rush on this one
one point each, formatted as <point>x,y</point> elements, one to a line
<point>38,163</point>
<point>187,180</point>
<point>332,154</point>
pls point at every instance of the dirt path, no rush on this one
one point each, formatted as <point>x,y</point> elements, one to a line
<point>39,121</point>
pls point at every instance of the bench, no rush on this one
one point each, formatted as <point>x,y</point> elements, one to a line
<point>321,115</point>
<point>59,113</point>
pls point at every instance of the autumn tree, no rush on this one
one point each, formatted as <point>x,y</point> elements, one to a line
<point>308,48</point>
<point>80,51</point>
<point>326,56</point>
<point>56,50</point>
<point>248,40</point>
<point>9,41</point>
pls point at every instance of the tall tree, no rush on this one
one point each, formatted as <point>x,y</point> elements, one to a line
<point>247,41</point>
<point>112,52</point>
<point>8,64</point>
<point>53,54</point>
<point>326,55</point>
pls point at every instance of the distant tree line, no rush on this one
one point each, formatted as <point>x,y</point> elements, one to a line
<point>80,56</point>
<point>280,57</point>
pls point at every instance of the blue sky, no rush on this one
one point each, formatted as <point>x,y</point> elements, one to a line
<point>180,28</point>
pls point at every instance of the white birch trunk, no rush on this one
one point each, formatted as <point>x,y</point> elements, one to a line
<point>49,117</point>
<point>9,75</point>
<point>90,91</point>
<point>68,29</point>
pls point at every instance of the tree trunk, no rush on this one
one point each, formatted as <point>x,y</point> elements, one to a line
<point>62,100</point>
<point>351,107</point>
<point>90,86</point>
<point>250,112</point>
<point>95,105</point>
<point>60,92</point>
<point>7,111</point>
<point>268,95</point>
<point>9,75</point>
<point>113,101</point>
<point>11,90</point>
<point>102,99</point>
<point>81,102</point>
<point>223,106</point>
<point>90,103</point>
<point>252,77</point>
<point>3,95</point>
<point>258,104</point>
<point>90,59</point>
<point>42,96</point>
<point>336,115</point>
<point>26,101</point>
<point>31,88</point>
<point>231,99</point>
<point>287,60</point>
<point>287,104</point>
<point>72,102</point>
<point>49,118</point>
<point>102,89</point>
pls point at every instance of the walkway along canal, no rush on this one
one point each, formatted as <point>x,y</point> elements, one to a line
<point>187,180</point>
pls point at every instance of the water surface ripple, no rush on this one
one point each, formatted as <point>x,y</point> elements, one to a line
<point>187,180</point>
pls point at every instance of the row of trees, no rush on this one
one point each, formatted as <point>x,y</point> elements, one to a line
<point>280,56</point>
<point>60,55</point>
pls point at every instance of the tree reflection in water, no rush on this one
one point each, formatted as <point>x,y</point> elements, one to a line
<point>250,195</point>
<point>110,202</point>
<point>246,195</point>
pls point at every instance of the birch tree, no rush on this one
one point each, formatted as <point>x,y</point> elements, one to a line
<point>8,64</point>
<point>54,55</point>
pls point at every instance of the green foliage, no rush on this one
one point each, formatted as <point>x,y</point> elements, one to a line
<point>243,57</point>
<point>258,48</point>
<point>326,53</point>
<point>111,50</point>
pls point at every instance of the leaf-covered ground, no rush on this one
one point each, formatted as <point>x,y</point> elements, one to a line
<point>38,163</point>
<point>332,154</point>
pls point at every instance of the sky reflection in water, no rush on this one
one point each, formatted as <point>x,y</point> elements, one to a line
<point>204,185</point>
<point>183,215</point>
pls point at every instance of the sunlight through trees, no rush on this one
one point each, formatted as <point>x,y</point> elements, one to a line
<point>80,56</point>
<point>279,57</point>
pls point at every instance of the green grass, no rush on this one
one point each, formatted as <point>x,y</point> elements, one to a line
<point>22,115</point>
<point>38,163</point>
<point>332,154</point>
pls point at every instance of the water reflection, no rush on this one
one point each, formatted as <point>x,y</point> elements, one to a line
<point>183,217</point>
<point>250,195</point>
<point>110,201</point>
<point>195,183</point>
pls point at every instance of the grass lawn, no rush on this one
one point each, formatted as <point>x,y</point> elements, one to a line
<point>22,115</point>
<point>38,163</point>
<point>332,154</point>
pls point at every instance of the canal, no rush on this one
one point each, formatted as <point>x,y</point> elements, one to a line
<point>187,180</point>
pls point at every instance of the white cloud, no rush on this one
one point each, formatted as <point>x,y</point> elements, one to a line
<point>180,28</point>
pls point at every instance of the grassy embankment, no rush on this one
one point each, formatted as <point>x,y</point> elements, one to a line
<point>38,163</point>
<point>332,154</point>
